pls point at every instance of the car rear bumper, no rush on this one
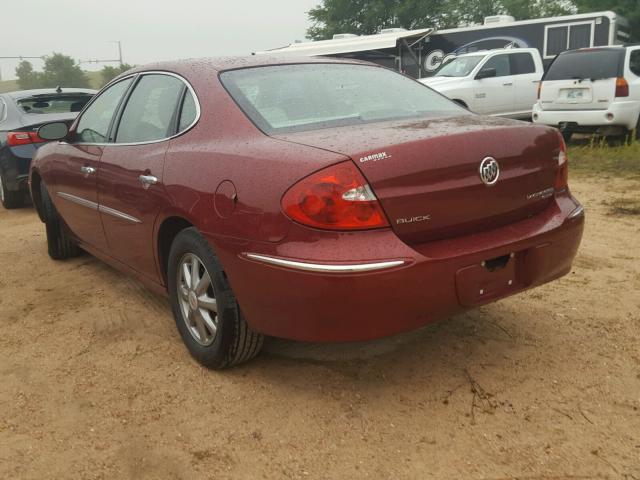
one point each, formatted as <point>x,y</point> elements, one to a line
<point>619,114</point>
<point>433,281</point>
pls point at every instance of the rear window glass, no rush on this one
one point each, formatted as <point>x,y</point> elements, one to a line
<point>592,64</point>
<point>309,97</point>
<point>54,103</point>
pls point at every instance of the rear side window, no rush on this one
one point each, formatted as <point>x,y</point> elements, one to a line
<point>188,112</point>
<point>150,109</point>
<point>303,97</point>
<point>62,103</point>
<point>500,63</point>
<point>522,63</point>
<point>93,126</point>
<point>587,64</point>
<point>634,63</point>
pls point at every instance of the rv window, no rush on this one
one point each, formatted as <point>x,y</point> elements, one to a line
<point>567,37</point>
<point>291,98</point>
<point>579,36</point>
<point>634,63</point>
<point>556,40</point>
<point>587,65</point>
<point>522,63</point>
<point>500,63</point>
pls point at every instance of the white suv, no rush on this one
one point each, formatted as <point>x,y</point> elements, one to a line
<point>592,90</point>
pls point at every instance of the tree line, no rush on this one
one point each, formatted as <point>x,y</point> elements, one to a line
<point>61,70</point>
<point>366,17</point>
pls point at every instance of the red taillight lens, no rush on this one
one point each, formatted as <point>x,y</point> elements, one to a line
<point>23,138</point>
<point>562,175</point>
<point>335,198</point>
<point>622,87</point>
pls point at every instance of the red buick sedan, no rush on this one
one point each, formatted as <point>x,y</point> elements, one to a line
<point>310,199</point>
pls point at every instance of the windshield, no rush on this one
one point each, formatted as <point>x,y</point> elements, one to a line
<point>459,67</point>
<point>587,64</point>
<point>312,96</point>
<point>61,103</point>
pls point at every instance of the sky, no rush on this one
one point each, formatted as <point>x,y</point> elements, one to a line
<point>150,30</point>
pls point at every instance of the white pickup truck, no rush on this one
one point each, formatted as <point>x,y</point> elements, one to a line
<point>500,82</point>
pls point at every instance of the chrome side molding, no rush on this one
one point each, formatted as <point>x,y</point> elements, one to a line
<point>101,208</point>
<point>323,267</point>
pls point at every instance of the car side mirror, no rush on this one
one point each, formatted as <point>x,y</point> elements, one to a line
<point>53,131</point>
<point>486,73</point>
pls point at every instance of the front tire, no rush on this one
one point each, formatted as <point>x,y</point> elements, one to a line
<point>59,244</point>
<point>9,199</point>
<point>204,307</point>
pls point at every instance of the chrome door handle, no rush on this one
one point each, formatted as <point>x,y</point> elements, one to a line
<point>147,180</point>
<point>507,84</point>
<point>87,170</point>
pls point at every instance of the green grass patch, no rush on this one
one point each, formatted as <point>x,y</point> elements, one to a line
<point>599,157</point>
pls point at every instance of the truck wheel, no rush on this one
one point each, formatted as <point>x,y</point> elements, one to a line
<point>9,199</point>
<point>566,135</point>
<point>205,309</point>
<point>60,245</point>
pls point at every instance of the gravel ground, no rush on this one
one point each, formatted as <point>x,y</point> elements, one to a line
<point>95,382</point>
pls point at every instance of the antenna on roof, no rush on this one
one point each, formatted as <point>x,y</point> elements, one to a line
<point>58,89</point>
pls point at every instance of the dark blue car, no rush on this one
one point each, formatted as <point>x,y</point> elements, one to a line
<point>21,113</point>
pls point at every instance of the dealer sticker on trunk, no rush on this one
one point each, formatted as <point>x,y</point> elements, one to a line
<point>375,157</point>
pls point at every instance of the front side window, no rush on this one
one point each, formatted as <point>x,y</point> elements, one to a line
<point>634,62</point>
<point>459,67</point>
<point>150,109</point>
<point>304,97</point>
<point>93,126</point>
<point>522,63</point>
<point>500,63</point>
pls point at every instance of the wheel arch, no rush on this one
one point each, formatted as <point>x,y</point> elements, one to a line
<point>35,182</point>
<point>167,232</point>
<point>461,102</point>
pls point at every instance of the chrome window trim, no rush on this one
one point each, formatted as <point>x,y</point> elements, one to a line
<point>140,74</point>
<point>323,267</point>
<point>100,208</point>
<point>4,110</point>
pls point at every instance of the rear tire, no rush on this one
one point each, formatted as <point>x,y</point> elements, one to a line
<point>204,307</point>
<point>566,135</point>
<point>60,245</point>
<point>9,199</point>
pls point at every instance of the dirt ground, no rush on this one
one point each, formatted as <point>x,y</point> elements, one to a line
<point>96,384</point>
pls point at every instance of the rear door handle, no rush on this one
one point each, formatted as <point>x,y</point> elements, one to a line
<point>507,84</point>
<point>87,170</point>
<point>147,180</point>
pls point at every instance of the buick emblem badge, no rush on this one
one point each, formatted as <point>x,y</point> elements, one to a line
<point>489,171</point>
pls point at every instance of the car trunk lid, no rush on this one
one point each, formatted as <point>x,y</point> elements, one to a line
<point>425,173</point>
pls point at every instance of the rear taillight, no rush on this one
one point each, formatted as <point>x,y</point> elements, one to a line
<point>23,138</point>
<point>335,198</point>
<point>622,87</point>
<point>562,175</point>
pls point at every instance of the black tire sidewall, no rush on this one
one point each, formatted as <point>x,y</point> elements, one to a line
<point>217,355</point>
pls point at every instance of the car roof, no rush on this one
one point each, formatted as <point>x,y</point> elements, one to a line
<point>496,50</point>
<point>221,64</point>
<point>17,95</point>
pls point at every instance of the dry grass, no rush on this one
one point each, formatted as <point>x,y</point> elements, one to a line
<point>599,158</point>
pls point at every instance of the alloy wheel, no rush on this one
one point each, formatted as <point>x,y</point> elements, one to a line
<point>197,300</point>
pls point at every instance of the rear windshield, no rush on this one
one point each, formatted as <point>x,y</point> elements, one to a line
<point>587,64</point>
<point>54,103</point>
<point>305,97</point>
